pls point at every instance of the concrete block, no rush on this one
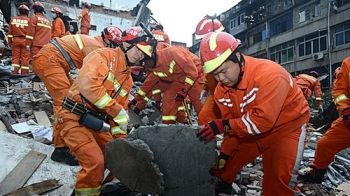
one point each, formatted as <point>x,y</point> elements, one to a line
<point>184,160</point>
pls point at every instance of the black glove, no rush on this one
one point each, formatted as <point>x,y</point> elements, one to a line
<point>136,110</point>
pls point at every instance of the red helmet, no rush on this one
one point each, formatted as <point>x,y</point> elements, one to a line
<point>56,10</point>
<point>23,9</point>
<point>137,37</point>
<point>113,34</point>
<point>158,26</point>
<point>37,6</point>
<point>215,48</point>
<point>207,25</point>
<point>87,5</point>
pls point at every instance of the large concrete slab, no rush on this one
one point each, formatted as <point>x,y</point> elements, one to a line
<point>14,148</point>
<point>184,160</point>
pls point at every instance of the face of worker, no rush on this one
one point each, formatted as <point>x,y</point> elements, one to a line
<point>134,54</point>
<point>228,72</point>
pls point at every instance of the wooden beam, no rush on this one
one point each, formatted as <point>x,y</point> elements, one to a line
<point>22,172</point>
<point>37,188</point>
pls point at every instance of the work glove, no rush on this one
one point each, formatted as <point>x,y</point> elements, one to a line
<point>136,110</point>
<point>132,102</point>
<point>181,95</point>
<point>320,109</point>
<point>122,119</point>
<point>204,95</point>
<point>219,169</point>
<point>215,127</point>
<point>346,117</point>
<point>28,48</point>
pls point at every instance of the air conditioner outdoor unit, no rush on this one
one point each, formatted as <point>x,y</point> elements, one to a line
<point>317,56</point>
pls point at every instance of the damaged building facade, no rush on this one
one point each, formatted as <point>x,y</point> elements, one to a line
<point>300,35</point>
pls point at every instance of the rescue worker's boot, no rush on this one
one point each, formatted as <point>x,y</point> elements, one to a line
<point>223,187</point>
<point>15,71</point>
<point>311,175</point>
<point>24,70</point>
<point>63,155</point>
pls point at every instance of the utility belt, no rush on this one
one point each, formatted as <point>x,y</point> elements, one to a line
<point>63,53</point>
<point>96,121</point>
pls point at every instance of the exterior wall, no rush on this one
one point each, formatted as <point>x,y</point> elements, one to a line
<point>275,9</point>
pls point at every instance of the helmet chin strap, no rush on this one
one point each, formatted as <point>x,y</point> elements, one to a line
<point>128,63</point>
<point>240,64</point>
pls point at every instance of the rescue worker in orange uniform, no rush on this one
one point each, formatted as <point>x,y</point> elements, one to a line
<point>183,72</point>
<point>262,109</point>
<point>17,31</point>
<point>84,16</point>
<point>53,64</point>
<point>3,38</point>
<point>39,30</point>
<point>337,136</point>
<point>158,33</point>
<point>309,83</point>
<point>210,111</point>
<point>142,97</point>
<point>58,29</point>
<point>102,87</point>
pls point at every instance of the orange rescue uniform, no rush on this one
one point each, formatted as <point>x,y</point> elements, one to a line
<point>58,29</point>
<point>103,73</point>
<point>268,115</point>
<point>85,21</point>
<point>161,36</point>
<point>308,84</point>
<point>337,136</point>
<point>39,33</point>
<point>18,28</point>
<point>181,69</point>
<point>210,110</point>
<point>52,68</point>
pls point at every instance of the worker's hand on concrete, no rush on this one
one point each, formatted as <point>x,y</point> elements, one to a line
<point>204,95</point>
<point>122,119</point>
<point>346,117</point>
<point>181,95</point>
<point>132,102</point>
<point>28,48</point>
<point>215,127</point>
<point>136,110</point>
<point>219,169</point>
<point>320,109</point>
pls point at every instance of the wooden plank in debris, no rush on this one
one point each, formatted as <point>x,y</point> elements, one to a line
<point>42,118</point>
<point>33,99</point>
<point>37,188</point>
<point>36,86</point>
<point>22,172</point>
<point>2,126</point>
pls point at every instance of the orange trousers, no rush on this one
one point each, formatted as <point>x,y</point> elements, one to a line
<point>89,148</point>
<point>84,30</point>
<point>156,92</point>
<point>280,160</point>
<point>209,112</point>
<point>47,66</point>
<point>333,141</point>
<point>170,107</point>
<point>20,56</point>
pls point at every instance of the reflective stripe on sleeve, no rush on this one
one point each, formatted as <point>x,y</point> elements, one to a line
<point>103,101</point>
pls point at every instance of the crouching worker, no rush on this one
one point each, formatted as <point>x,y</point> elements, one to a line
<point>95,109</point>
<point>263,112</point>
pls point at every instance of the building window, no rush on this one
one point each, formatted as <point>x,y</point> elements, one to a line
<point>310,11</point>
<point>282,53</point>
<point>257,35</point>
<point>281,24</point>
<point>342,2</point>
<point>312,43</point>
<point>342,34</point>
<point>233,23</point>
<point>240,19</point>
